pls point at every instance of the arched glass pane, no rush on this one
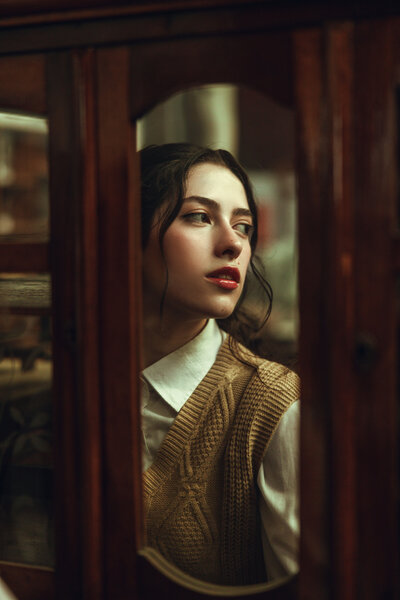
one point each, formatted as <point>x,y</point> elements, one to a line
<point>260,134</point>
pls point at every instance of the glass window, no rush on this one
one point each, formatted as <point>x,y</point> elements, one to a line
<point>24,198</point>
<point>26,447</point>
<point>260,134</point>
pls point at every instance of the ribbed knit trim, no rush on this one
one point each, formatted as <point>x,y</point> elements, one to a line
<point>189,417</point>
<point>270,392</point>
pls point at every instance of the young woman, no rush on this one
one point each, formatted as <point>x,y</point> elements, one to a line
<point>220,425</point>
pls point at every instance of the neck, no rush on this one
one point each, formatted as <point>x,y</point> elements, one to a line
<point>162,336</point>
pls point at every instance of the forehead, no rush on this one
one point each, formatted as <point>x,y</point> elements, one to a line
<point>216,182</point>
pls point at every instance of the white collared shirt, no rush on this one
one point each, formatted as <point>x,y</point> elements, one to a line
<point>168,383</point>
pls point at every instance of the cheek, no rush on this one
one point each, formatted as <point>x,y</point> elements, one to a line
<point>183,251</point>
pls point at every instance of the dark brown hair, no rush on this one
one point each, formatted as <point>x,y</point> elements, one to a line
<point>164,171</point>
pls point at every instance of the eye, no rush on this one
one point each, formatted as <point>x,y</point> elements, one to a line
<point>197,217</point>
<point>244,228</point>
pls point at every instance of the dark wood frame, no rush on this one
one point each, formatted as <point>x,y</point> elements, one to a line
<point>344,77</point>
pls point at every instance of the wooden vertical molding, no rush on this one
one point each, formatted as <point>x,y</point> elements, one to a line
<point>119,316</point>
<point>376,172</point>
<point>313,179</point>
<point>64,201</point>
<point>88,323</point>
<point>74,261</point>
<point>341,308</point>
<point>27,92</point>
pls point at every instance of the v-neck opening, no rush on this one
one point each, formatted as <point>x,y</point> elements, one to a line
<point>188,418</point>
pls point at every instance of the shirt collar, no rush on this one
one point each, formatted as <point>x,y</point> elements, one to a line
<point>176,376</point>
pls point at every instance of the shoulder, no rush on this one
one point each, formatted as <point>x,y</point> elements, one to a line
<point>256,376</point>
<point>268,375</point>
<point>264,398</point>
<point>277,376</point>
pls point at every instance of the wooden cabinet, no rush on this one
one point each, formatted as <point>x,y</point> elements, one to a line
<point>93,70</point>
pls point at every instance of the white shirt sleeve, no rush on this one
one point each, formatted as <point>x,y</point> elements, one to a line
<point>5,592</point>
<point>279,499</point>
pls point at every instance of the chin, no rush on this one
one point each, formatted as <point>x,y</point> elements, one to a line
<point>206,309</point>
<point>222,312</point>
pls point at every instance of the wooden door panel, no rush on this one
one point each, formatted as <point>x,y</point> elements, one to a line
<point>376,196</point>
<point>22,84</point>
<point>347,185</point>
<point>183,63</point>
<point>158,70</point>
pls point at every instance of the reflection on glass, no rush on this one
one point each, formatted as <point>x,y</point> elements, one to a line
<point>26,480</point>
<point>24,206</point>
<point>204,513</point>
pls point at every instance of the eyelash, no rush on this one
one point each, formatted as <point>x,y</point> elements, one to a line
<point>197,217</point>
<point>194,217</point>
<point>248,228</point>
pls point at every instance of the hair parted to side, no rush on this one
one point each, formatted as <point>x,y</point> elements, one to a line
<point>164,171</point>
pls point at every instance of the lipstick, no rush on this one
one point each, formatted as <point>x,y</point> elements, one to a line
<point>227,278</point>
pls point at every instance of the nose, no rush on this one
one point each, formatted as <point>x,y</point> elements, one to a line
<point>228,243</point>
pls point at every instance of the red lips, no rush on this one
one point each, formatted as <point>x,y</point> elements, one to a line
<point>227,278</point>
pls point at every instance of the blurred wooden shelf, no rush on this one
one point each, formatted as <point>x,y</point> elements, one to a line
<point>25,295</point>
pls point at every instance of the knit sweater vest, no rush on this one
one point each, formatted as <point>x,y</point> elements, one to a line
<point>200,493</point>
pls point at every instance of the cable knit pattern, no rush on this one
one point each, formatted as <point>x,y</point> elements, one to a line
<point>200,492</point>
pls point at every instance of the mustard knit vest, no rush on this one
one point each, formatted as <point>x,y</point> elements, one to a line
<point>200,492</point>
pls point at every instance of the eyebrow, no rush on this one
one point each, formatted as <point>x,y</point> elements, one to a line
<point>237,212</point>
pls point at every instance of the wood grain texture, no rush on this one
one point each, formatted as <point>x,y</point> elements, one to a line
<point>58,30</point>
<point>25,258</point>
<point>185,63</point>
<point>27,92</point>
<point>341,307</point>
<point>45,9</point>
<point>88,335</point>
<point>65,196</point>
<point>347,177</point>
<point>120,297</point>
<point>75,249</point>
<point>17,12</point>
<point>376,177</point>
<point>314,181</point>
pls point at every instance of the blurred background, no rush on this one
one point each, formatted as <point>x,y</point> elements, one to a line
<point>26,457</point>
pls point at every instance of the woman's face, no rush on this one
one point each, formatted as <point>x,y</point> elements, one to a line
<point>206,248</point>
